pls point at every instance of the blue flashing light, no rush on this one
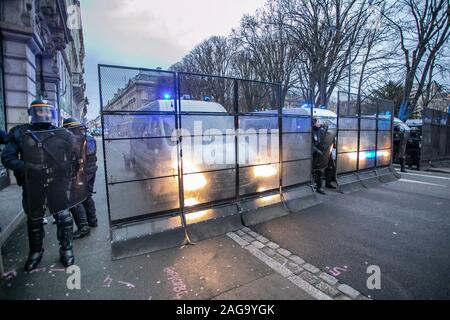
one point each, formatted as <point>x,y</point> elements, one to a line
<point>166,96</point>
<point>370,154</point>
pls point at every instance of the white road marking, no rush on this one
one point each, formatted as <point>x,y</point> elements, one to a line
<point>420,182</point>
<point>425,175</point>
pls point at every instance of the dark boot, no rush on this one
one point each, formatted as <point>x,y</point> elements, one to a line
<point>89,206</point>
<point>79,216</point>
<point>329,185</point>
<point>402,165</point>
<point>319,184</point>
<point>82,232</point>
<point>65,238</point>
<point>93,223</point>
<point>35,239</point>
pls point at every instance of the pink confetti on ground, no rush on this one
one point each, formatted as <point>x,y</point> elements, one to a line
<point>336,271</point>
<point>178,285</point>
<point>129,285</point>
<point>38,270</point>
<point>107,282</point>
<point>9,275</point>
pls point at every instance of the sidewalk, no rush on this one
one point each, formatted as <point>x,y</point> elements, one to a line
<point>11,216</point>
<point>11,204</point>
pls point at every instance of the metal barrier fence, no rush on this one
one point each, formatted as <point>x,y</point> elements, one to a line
<point>364,141</point>
<point>189,156</point>
<point>435,138</point>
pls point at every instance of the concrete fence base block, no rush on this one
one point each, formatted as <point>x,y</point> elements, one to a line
<point>140,245</point>
<point>260,209</point>
<point>213,222</point>
<point>439,163</point>
<point>257,216</point>
<point>295,200</point>
<point>369,179</point>
<point>388,174</point>
<point>425,165</point>
<point>348,183</point>
<point>167,232</point>
<point>300,198</point>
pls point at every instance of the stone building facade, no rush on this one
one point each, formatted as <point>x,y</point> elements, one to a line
<point>137,92</point>
<point>42,53</point>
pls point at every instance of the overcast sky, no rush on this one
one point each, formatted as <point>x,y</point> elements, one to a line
<point>151,33</point>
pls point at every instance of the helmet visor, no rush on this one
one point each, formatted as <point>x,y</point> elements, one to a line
<point>45,114</point>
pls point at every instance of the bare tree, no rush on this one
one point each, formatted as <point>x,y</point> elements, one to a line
<point>377,57</point>
<point>213,57</point>
<point>439,70</point>
<point>424,28</point>
<point>266,47</point>
<point>329,32</point>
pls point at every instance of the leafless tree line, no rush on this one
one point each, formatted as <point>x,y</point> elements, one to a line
<point>316,47</point>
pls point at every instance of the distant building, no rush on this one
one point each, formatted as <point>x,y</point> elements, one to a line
<point>42,53</point>
<point>94,123</point>
<point>136,92</point>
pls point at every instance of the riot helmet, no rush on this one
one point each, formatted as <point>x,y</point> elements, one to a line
<point>316,122</point>
<point>41,111</point>
<point>71,122</point>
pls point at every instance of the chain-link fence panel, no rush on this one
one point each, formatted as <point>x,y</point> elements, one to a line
<point>384,134</point>
<point>208,143</point>
<point>139,119</point>
<point>258,137</point>
<point>435,144</point>
<point>364,143</point>
<point>348,134</point>
<point>194,152</point>
<point>296,138</point>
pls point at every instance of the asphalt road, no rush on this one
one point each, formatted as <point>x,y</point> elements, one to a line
<point>402,227</point>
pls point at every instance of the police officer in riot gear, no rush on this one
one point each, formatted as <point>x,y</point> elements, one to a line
<point>330,173</point>
<point>84,214</point>
<point>318,137</point>
<point>3,137</point>
<point>413,147</point>
<point>401,136</point>
<point>43,118</point>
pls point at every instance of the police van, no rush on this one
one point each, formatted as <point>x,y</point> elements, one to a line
<point>327,117</point>
<point>209,150</point>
